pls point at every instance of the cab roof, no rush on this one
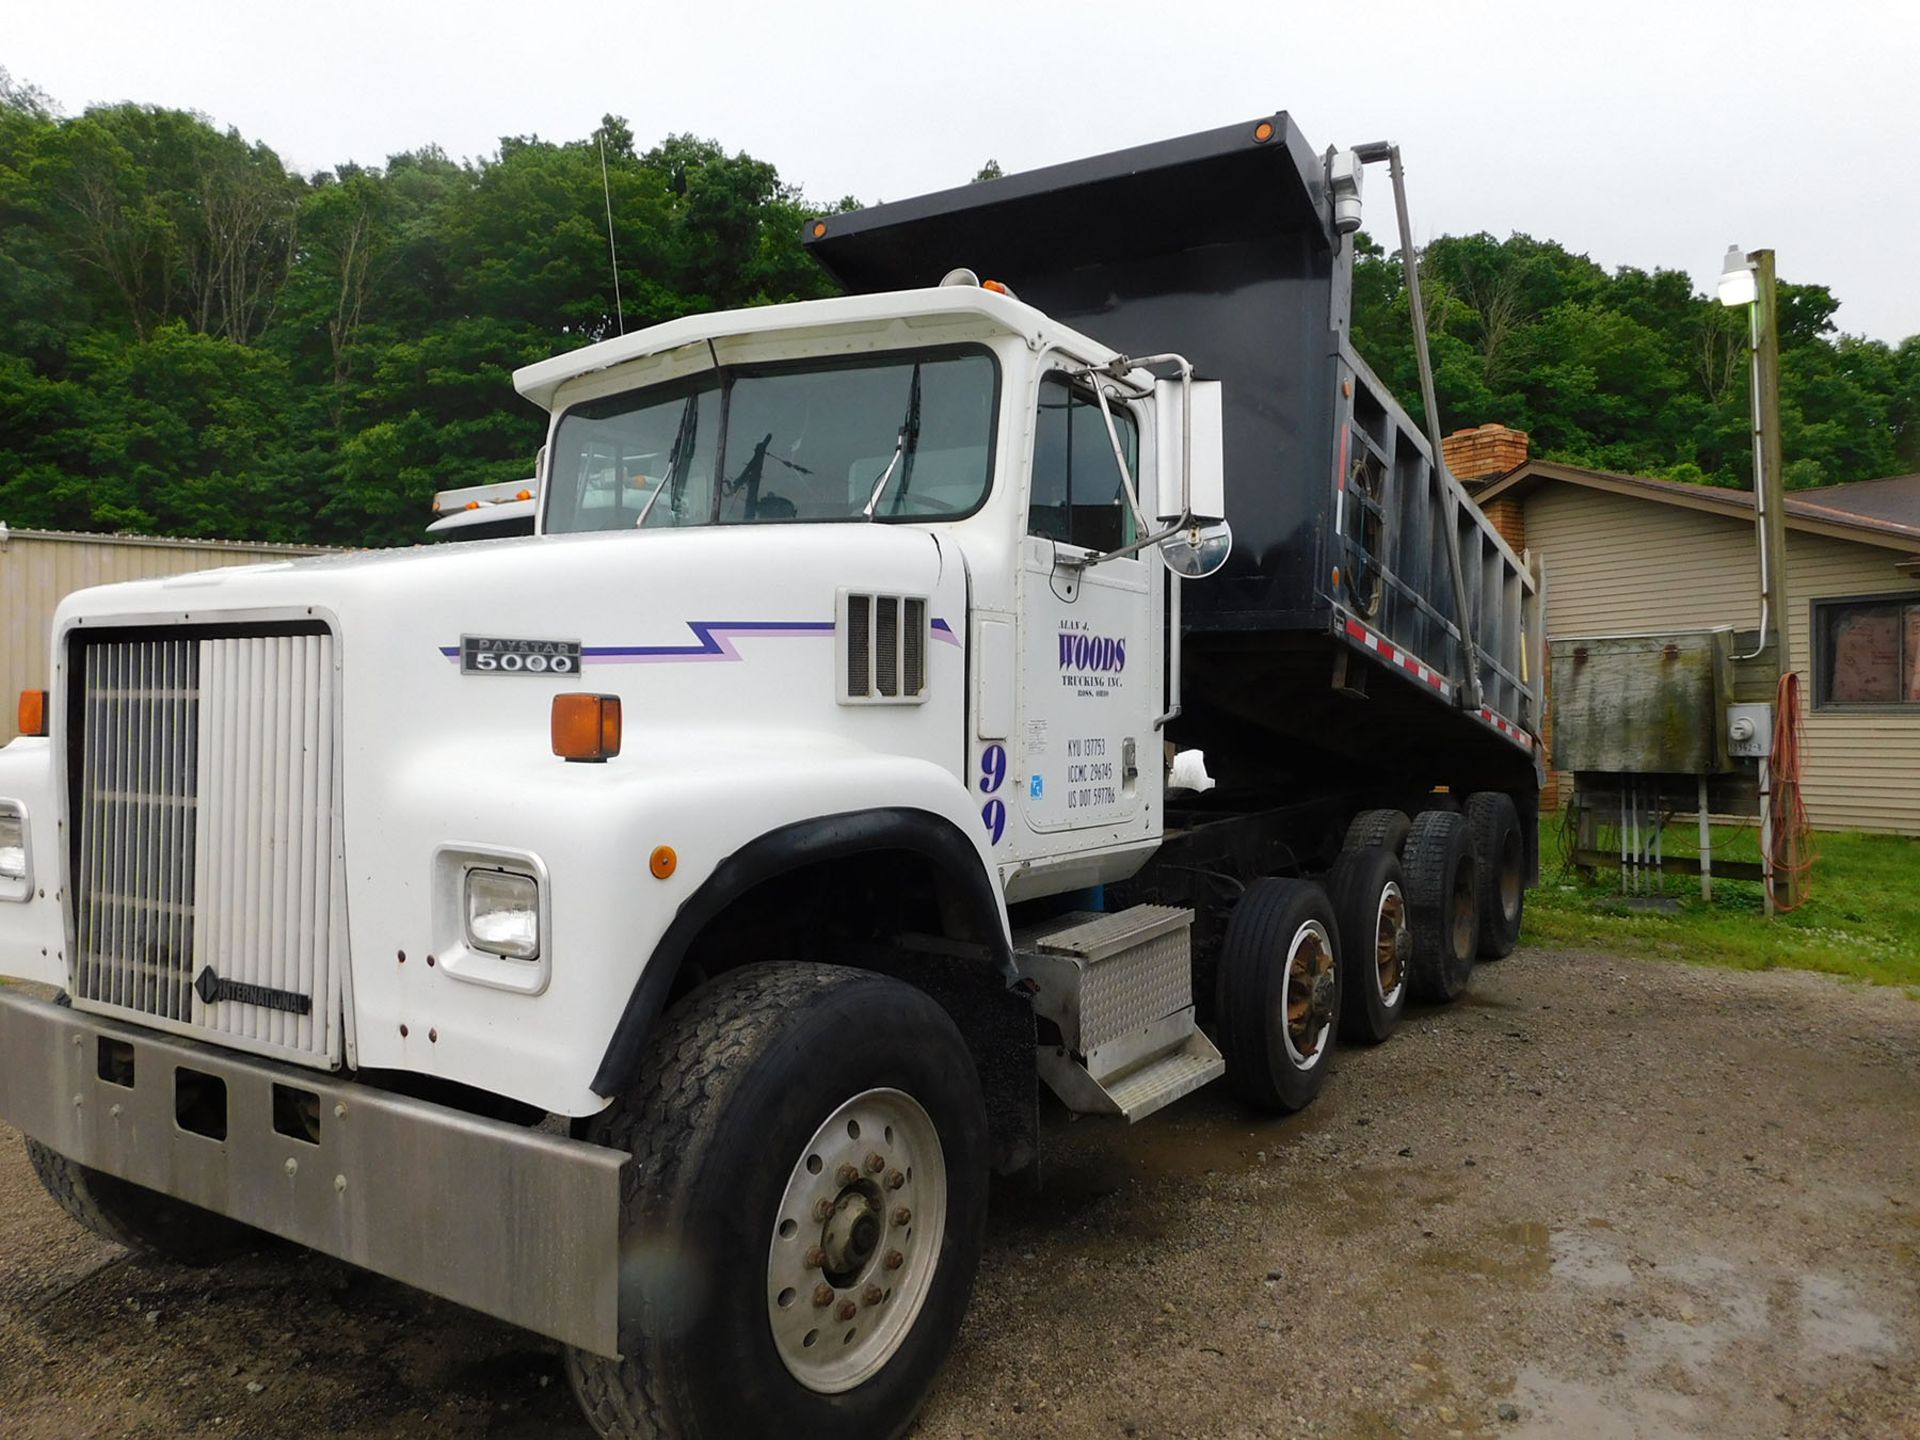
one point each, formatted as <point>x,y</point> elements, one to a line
<point>541,381</point>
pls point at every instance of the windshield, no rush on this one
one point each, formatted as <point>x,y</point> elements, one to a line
<point>895,437</point>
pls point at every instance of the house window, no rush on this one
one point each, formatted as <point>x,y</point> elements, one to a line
<point>1078,496</point>
<point>1867,652</point>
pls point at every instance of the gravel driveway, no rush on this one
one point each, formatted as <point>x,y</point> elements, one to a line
<point>1600,1197</point>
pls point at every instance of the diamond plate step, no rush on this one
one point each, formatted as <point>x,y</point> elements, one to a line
<point>1161,1082</point>
<point>1119,987</point>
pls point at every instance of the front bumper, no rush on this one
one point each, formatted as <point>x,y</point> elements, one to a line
<point>519,1224</point>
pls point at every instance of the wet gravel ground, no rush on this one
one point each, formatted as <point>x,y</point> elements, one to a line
<point>1601,1197</point>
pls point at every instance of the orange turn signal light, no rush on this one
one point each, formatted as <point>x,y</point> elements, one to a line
<point>33,712</point>
<point>1263,132</point>
<point>819,228</point>
<point>663,862</point>
<point>586,727</point>
<point>995,286</point>
<point>472,505</point>
<point>523,494</point>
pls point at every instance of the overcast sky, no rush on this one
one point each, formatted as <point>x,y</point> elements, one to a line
<point>1641,134</point>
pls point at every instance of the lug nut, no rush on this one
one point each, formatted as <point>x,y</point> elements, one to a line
<point>903,1216</point>
<point>846,1174</point>
<point>822,1209</point>
<point>895,1259</point>
<point>873,1295</point>
<point>816,1257</point>
<point>822,1296</point>
<point>847,1310</point>
<point>896,1180</point>
<point>875,1163</point>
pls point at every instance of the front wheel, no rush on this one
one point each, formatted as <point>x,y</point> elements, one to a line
<point>803,1215</point>
<point>139,1218</point>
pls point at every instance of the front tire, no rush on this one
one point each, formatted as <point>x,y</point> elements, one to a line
<point>141,1219</point>
<point>754,1218</point>
<point>1279,994</point>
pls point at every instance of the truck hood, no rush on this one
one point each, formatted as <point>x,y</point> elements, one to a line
<point>697,627</point>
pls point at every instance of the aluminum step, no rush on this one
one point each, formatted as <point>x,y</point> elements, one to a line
<point>1119,988</point>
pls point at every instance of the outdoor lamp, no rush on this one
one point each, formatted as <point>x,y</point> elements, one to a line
<point>1737,285</point>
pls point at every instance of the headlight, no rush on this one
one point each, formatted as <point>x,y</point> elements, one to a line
<point>503,914</point>
<point>13,843</point>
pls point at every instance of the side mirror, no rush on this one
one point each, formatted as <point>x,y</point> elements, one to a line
<point>1197,552</point>
<point>1190,466</point>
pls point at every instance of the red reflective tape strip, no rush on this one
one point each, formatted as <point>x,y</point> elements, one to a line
<point>1356,630</point>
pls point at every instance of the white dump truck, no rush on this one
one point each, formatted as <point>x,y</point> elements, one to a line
<point>655,930</point>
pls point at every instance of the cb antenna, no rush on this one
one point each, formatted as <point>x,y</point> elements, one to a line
<point>613,259</point>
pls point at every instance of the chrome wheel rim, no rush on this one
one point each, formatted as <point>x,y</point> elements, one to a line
<point>1307,995</point>
<point>1392,939</point>
<point>856,1240</point>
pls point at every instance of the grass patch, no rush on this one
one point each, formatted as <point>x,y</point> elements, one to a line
<point>1861,919</point>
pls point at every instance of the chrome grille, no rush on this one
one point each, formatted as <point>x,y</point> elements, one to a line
<point>208,888</point>
<point>133,916</point>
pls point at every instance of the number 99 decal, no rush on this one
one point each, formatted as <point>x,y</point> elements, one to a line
<point>993,774</point>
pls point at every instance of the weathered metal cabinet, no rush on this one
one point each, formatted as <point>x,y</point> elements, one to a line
<point>1642,704</point>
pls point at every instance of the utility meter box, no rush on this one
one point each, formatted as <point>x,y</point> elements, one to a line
<point>1642,704</point>
<point>1750,730</point>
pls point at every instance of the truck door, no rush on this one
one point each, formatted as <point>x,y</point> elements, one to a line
<point>1089,672</point>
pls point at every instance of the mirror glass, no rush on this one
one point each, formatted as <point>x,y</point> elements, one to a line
<point>1199,550</point>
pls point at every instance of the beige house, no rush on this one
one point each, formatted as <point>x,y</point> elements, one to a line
<point>38,568</point>
<point>1626,554</point>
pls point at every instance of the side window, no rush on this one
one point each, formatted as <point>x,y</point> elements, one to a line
<point>1867,654</point>
<point>1077,496</point>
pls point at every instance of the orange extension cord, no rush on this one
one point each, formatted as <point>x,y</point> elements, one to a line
<point>1791,840</point>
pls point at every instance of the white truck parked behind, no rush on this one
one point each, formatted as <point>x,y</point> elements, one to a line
<point>654,931</point>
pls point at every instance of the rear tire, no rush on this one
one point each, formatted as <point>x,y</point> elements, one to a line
<point>764,1099</point>
<point>1443,903</point>
<point>1384,828</point>
<point>141,1219</point>
<point>1279,994</point>
<point>1494,827</point>
<point>1370,905</point>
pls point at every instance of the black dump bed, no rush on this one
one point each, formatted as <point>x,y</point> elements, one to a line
<point>1220,246</point>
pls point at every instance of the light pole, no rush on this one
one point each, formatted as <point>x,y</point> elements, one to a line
<point>1748,279</point>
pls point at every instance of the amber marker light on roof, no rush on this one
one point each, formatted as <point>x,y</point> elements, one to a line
<point>586,727</point>
<point>33,712</point>
<point>1263,132</point>
<point>995,286</point>
<point>523,495</point>
<point>819,228</point>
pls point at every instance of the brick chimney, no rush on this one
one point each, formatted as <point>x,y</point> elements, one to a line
<point>1476,456</point>
<point>1479,454</point>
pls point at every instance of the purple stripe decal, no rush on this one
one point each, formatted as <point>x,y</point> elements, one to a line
<point>714,642</point>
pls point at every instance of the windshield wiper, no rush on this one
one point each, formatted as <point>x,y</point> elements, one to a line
<point>678,458</point>
<point>902,451</point>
